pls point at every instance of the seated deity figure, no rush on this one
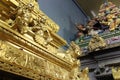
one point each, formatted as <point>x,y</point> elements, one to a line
<point>96,43</point>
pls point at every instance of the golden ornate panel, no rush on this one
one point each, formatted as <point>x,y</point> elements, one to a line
<point>29,45</point>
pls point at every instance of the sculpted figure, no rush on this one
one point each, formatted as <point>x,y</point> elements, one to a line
<point>30,61</point>
<point>52,49</point>
<point>68,55</point>
<point>75,70</point>
<point>24,18</point>
<point>42,34</point>
<point>76,49</point>
<point>116,73</point>
<point>10,22</point>
<point>39,37</point>
<point>36,65</point>
<point>3,48</point>
<point>53,27</point>
<point>71,53</point>
<point>35,2</point>
<point>96,43</point>
<point>10,55</point>
<point>21,59</point>
<point>112,21</point>
<point>83,75</point>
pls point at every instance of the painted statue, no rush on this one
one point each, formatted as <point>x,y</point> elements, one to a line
<point>96,43</point>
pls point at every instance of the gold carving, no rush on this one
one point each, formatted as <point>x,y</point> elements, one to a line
<point>76,74</point>
<point>25,57</point>
<point>75,48</point>
<point>42,35</point>
<point>3,48</point>
<point>21,58</point>
<point>39,37</point>
<point>84,74</point>
<point>96,43</point>
<point>109,15</point>
<point>51,49</point>
<point>71,53</point>
<point>116,73</point>
<point>24,18</point>
<point>75,70</point>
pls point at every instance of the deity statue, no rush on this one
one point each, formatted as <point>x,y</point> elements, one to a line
<point>24,18</point>
<point>96,43</point>
<point>42,34</point>
<point>39,37</point>
<point>71,53</point>
<point>75,70</point>
<point>65,55</point>
<point>75,48</point>
<point>83,75</point>
<point>112,21</point>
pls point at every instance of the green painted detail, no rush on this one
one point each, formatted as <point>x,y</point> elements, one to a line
<point>84,42</point>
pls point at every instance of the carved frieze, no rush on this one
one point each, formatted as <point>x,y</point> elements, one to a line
<point>23,59</point>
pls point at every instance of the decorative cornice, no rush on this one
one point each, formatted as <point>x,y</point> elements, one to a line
<point>29,45</point>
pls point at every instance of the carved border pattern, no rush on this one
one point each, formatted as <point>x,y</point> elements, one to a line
<point>22,63</point>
